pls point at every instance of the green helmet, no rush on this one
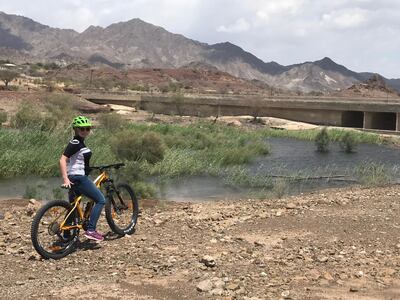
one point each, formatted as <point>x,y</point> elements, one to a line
<point>81,121</point>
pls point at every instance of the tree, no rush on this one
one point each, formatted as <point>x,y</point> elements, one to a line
<point>7,76</point>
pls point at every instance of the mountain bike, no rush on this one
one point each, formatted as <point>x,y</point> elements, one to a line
<point>55,227</point>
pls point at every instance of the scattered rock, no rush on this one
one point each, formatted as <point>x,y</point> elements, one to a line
<point>354,289</point>
<point>291,205</point>
<point>232,286</point>
<point>8,215</point>
<point>218,282</point>
<point>205,286</point>
<point>328,276</point>
<point>208,261</point>
<point>314,274</point>
<point>217,292</point>
<point>322,259</point>
<point>359,274</point>
<point>285,294</point>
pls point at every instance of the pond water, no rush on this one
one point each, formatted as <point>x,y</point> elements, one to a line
<point>289,157</point>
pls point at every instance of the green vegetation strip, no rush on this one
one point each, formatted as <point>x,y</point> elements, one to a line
<point>162,150</point>
<point>196,149</point>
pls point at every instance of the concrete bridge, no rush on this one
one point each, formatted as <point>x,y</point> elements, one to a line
<point>381,114</point>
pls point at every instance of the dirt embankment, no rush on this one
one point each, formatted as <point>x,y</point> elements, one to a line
<point>338,244</point>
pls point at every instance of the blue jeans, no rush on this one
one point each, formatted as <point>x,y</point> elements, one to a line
<point>83,185</point>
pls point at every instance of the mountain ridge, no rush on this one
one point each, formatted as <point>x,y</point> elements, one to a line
<point>138,44</point>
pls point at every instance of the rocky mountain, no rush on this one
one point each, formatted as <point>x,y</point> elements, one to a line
<point>375,87</point>
<point>137,44</point>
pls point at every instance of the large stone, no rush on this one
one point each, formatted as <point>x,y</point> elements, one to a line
<point>291,205</point>
<point>205,286</point>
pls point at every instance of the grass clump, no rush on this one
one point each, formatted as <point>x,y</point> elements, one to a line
<point>374,174</point>
<point>348,143</point>
<point>280,188</point>
<point>322,141</point>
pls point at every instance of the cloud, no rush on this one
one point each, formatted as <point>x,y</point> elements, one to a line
<point>267,10</point>
<point>352,18</point>
<point>240,25</point>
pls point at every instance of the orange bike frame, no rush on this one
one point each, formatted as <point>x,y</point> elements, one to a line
<point>98,181</point>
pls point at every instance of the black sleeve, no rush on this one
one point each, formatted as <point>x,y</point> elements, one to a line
<point>73,147</point>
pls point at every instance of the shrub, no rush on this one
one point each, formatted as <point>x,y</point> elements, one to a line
<point>111,121</point>
<point>280,188</point>
<point>348,143</point>
<point>29,117</point>
<point>60,107</point>
<point>133,146</point>
<point>322,140</point>
<point>3,117</point>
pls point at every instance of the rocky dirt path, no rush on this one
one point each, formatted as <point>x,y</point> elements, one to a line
<point>337,244</point>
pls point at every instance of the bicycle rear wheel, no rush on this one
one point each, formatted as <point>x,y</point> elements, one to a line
<point>47,237</point>
<point>122,209</point>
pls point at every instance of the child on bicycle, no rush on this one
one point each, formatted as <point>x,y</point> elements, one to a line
<point>74,166</point>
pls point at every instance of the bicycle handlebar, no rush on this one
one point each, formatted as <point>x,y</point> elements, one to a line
<point>115,166</point>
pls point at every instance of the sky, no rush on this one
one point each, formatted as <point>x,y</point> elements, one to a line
<point>363,35</point>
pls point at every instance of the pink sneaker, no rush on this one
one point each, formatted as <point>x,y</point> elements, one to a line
<point>94,235</point>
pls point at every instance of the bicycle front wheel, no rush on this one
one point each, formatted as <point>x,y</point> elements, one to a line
<point>122,209</point>
<point>48,239</point>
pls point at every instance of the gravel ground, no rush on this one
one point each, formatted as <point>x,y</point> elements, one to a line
<point>335,244</point>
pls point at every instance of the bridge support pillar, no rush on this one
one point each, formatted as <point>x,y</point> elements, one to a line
<point>367,120</point>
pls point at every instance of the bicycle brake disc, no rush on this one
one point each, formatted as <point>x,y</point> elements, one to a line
<point>54,228</point>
